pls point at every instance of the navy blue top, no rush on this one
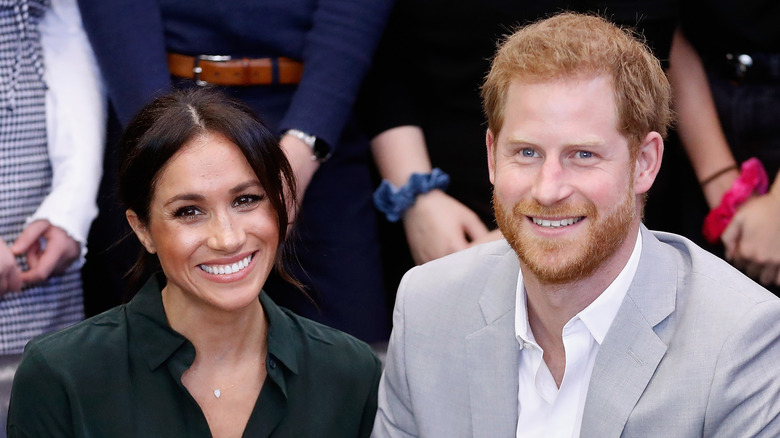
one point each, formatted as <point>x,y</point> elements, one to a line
<point>334,38</point>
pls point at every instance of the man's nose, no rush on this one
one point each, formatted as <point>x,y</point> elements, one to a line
<point>227,235</point>
<point>551,184</point>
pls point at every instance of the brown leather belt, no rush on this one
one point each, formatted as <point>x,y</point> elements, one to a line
<point>222,70</point>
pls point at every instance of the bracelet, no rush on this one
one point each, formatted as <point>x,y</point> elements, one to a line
<point>715,175</point>
<point>752,179</point>
<point>394,201</point>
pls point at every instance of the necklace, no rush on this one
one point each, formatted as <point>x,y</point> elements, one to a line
<point>218,392</point>
<point>249,372</point>
<point>219,389</point>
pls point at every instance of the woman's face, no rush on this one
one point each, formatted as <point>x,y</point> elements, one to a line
<point>211,225</point>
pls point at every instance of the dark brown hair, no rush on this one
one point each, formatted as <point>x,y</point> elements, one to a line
<point>164,126</point>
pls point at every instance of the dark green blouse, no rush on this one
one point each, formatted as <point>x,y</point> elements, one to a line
<point>118,374</point>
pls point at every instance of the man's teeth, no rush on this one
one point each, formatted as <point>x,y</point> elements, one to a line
<point>557,224</point>
<point>227,269</point>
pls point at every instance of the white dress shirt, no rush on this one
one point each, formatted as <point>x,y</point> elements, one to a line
<point>75,122</point>
<point>544,410</point>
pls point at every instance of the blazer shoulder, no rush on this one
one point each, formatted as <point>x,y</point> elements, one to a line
<point>700,270</point>
<point>477,261</point>
<point>463,283</point>
<point>705,290</point>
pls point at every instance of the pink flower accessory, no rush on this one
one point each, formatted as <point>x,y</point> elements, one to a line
<point>752,180</point>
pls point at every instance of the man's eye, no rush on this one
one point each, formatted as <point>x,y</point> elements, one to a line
<point>528,153</point>
<point>584,154</point>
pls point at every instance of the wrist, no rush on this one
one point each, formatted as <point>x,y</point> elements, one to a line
<point>713,192</point>
<point>752,180</point>
<point>320,151</point>
<point>718,174</point>
<point>395,201</point>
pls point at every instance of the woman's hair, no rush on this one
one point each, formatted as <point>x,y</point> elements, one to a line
<point>577,45</point>
<point>166,125</point>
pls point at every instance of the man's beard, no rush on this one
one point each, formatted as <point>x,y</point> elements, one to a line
<point>566,259</point>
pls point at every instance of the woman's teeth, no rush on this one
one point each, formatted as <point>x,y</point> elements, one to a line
<point>227,269</point>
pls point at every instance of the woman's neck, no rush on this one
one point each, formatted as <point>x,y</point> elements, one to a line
<point>219,337</point>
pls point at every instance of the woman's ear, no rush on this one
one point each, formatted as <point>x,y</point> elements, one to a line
<point>140,231</point>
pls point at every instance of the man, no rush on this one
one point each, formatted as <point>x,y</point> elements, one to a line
<point>583,322</point>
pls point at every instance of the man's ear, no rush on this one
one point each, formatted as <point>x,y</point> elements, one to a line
<point>491,159</point>
<point>648,162</point>
<point>140,231</point>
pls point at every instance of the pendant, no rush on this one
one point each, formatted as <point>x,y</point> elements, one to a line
<point>217,393</point>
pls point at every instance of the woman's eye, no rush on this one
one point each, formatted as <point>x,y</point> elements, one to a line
<point>247,200</point>
<point>584,154</point>
<point>186,212</point>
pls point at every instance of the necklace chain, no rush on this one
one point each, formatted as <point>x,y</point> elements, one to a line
<point>217,391</point>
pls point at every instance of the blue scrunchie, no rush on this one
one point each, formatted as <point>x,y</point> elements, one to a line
<point>394,201</point>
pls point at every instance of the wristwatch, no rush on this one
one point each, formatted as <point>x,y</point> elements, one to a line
<point>319,149</point>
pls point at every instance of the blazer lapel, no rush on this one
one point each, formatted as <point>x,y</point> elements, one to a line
<point>631,351</point>
<point>493,355</point>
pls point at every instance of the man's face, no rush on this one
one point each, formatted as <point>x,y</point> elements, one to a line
<point>563,177</point>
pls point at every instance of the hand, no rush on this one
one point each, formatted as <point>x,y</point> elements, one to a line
<point>437,225</point>
<point>10,274</point>
<point>59,252</point>
<point>752,239</point>
<point>299,155</point>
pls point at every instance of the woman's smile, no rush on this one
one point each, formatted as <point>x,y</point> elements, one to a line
<point>212,226</point>
<point>227,269</point>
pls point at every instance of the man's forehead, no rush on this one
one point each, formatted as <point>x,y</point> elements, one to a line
<point>520,83</point>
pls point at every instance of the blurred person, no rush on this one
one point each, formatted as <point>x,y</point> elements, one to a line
<point>201,350</point>
<point>51,143</point>
<point>298,64</point>
<point>725,68</point>
<point>582,322</point>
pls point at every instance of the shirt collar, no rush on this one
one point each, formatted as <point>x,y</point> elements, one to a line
<point>598,316</point>
<point>280,334</point>
<point>149,327</point>
<point>157,341</point>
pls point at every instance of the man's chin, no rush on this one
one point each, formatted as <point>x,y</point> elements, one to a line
<point>560,266</point>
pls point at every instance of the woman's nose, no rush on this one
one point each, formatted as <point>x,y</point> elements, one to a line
<point>227,235</point>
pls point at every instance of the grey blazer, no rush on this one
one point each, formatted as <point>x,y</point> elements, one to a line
<point>693,351</point>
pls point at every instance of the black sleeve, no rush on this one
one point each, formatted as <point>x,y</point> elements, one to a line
<point>39,404</point>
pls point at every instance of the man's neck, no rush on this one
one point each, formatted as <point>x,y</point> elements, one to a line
<point>552,306</point>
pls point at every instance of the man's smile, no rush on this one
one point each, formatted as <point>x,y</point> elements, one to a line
<point>547,223</point>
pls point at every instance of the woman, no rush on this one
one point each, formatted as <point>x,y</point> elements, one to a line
<point>196,353</point>
<point>300,65</point>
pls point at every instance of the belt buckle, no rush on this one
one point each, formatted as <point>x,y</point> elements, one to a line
<point>197,69</point>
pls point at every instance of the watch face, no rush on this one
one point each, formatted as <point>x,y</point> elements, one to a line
<point>321,150</point>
